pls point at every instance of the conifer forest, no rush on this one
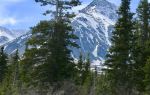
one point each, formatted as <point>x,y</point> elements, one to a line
<point>47,65</point>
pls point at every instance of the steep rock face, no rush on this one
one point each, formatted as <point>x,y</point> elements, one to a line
<point>93,25</point>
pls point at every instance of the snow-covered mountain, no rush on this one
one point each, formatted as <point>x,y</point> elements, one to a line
<point>93,25</point>
<point>7,35</point>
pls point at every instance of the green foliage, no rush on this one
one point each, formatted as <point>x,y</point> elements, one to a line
<point>10,84</point>
<point>87,87</point>
<point>47,66</point>
<point>60,59</point>
<point>119,59</point>
<point>130,50</point>
<point>103,86</point>
<point>7,86</point>
<point>80,70</point>
<point>86,72</point>
<point>35,57</point>
<point>61,6</point>
<point>83,70</point>
<point>147,76</point>
<point>143,12</point>
<point>3,64</point>
<point>142,50</point>
<point>47,60</point>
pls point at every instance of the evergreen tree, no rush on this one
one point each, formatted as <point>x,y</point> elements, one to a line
<point>119,64</point>
<point>9,86</point>
<point>48,54</point>
<point>60,60</point>
<point>36,54</point>
<point>144,17</point>
<point>3,64</point>
<point>87,67</point>
<point>60,63</point>
<point>147,77</point>
<point>80,70</point>
<point>15,73</point>
<point>103,86</point>
<point>15,65</point>
<point>83,69</point>
<point>142,47</point>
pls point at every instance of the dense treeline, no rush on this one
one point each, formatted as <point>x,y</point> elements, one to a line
<point>48,68</point>
<point>127,60</point>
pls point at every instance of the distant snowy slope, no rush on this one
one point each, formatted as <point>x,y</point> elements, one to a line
<point>18,43</point>
<point>7,35</point>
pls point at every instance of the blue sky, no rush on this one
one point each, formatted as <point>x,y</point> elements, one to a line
<point>22,14</point>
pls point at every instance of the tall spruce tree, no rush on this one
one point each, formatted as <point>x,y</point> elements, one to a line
<point>119,58</point>
<point>3,64</point>
<point>47,56</point>
<point>10,84</point>
<point>83,69</point>
<point>15,67</point>
<point>142,51</point>
<point>143,12</point>
<point>59,62</point>
<point>86,73</point>
<point>35,56</point>
<point>144,17</point>
<point>80,70</point>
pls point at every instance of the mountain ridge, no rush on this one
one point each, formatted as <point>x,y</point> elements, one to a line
<point>7,35</point>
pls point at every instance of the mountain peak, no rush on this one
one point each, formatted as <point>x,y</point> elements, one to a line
<point>102,3</point>
<point>102,7</point>
<point>99,2</point>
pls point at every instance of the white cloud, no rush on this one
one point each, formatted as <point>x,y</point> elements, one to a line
<point>5,17</point>
<point>8,21</point>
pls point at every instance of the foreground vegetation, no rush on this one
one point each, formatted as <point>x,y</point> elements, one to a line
<point>47,67</point>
